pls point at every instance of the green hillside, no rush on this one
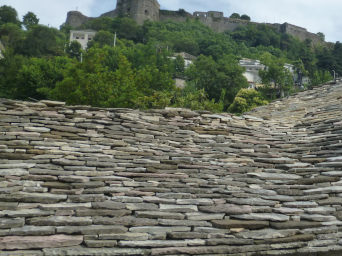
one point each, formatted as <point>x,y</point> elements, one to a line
<point>39,63</point>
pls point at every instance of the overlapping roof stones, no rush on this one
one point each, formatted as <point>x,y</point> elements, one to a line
<point>77,180</point>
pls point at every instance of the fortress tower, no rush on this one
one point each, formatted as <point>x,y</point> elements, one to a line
<point>138,10</point>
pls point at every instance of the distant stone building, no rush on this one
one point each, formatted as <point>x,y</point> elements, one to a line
<point>142,10</point>
<point>138,10</point>
<point>82,36</point>
<point>188,58</point>
<point>212,14</point>
<point>252,71</point>
<point>254,66</point>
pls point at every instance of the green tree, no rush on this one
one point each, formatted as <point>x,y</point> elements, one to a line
<point>74,50</point>
<point>102,38</point>
<point>246,100</point>
<point>245,17</point>
<point>196,99</point>
<point>30,20</point>
<point>41,41</point>
<point>29,77</point>
<point>321,36</point>
<point>125,28</point>
<point>9,66</point>
<point>277,80</point>
<point>179,66</point>
<point>235,16</point>
<point>93,83</point>
<point>320,77</point>
<point>12,36</point>
<point>221,80</point>
<point>8,15</point>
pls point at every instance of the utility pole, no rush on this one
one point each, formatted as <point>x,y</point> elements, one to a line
<point>334,76</point>
<point>81,57</point>
<point>115,39</point>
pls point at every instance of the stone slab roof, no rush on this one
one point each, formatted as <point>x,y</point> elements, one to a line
<point>77,180</point>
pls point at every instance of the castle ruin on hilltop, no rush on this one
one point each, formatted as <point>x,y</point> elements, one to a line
<point>142,10</point>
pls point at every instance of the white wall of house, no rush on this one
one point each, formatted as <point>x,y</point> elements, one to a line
<point>252,71</point>
<point>82,36</point>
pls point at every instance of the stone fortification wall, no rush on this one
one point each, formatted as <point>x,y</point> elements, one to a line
<point>300,33</point>
<point>77,180</point>
<point>76,19</point>
<point>139,10</point>
<point>177,16</point>
<point>142,10</point>
<point>223,24</point>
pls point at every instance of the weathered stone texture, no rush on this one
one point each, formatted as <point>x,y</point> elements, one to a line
<point>172,181</point>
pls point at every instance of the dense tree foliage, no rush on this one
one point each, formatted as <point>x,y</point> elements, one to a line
<point>138,72</point>
<point>277,79</point>
<point>30,20</point>
<point>8,15</point>
<point>221,80</point>
<point>246,100</point>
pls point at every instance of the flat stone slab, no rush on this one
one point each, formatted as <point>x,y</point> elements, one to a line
<point>250,202</point>
<point>11,223</point>
<point>203,216</point>
<point>33,197</point>
<point>178,208</point>
<point>295,224</point>
<point>335,159</point>
<point>288,211</point>
<point>228,224</point>
<point>51,103</point>
<point>159,229</point>
<point>267,234</point>
<point>17,165</point>
<point>61,221</point>
<point>226,208</point>
<point>81,251</point>
<point>333,173</point>
<point>36,242</point>
<point>330,189</point>
<point>318,217</point>
<point>262,216</point>
<point>13,172</point>
<point>280,160</point>
<point>300,204</point>
<point>275,176</point>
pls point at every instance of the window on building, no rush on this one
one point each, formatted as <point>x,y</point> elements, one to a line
<point>146,12</point>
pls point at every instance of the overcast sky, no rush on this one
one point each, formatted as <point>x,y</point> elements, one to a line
<point>315,15</point>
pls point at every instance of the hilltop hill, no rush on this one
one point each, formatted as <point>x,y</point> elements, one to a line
<point>94,181</point>
<point>142,10</point>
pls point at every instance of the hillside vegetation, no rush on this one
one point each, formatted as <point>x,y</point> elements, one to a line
<point>39,63</point>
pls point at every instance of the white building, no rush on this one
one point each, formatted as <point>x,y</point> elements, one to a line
<point>188,58</point>
<point>252,71</point>
<point>82,36</point>
<point>299,79</point>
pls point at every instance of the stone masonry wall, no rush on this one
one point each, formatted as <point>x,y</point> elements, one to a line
<point>142,10</point>
<point>77,180</point>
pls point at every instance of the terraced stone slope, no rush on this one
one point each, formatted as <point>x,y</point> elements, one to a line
<point>87,181</point>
